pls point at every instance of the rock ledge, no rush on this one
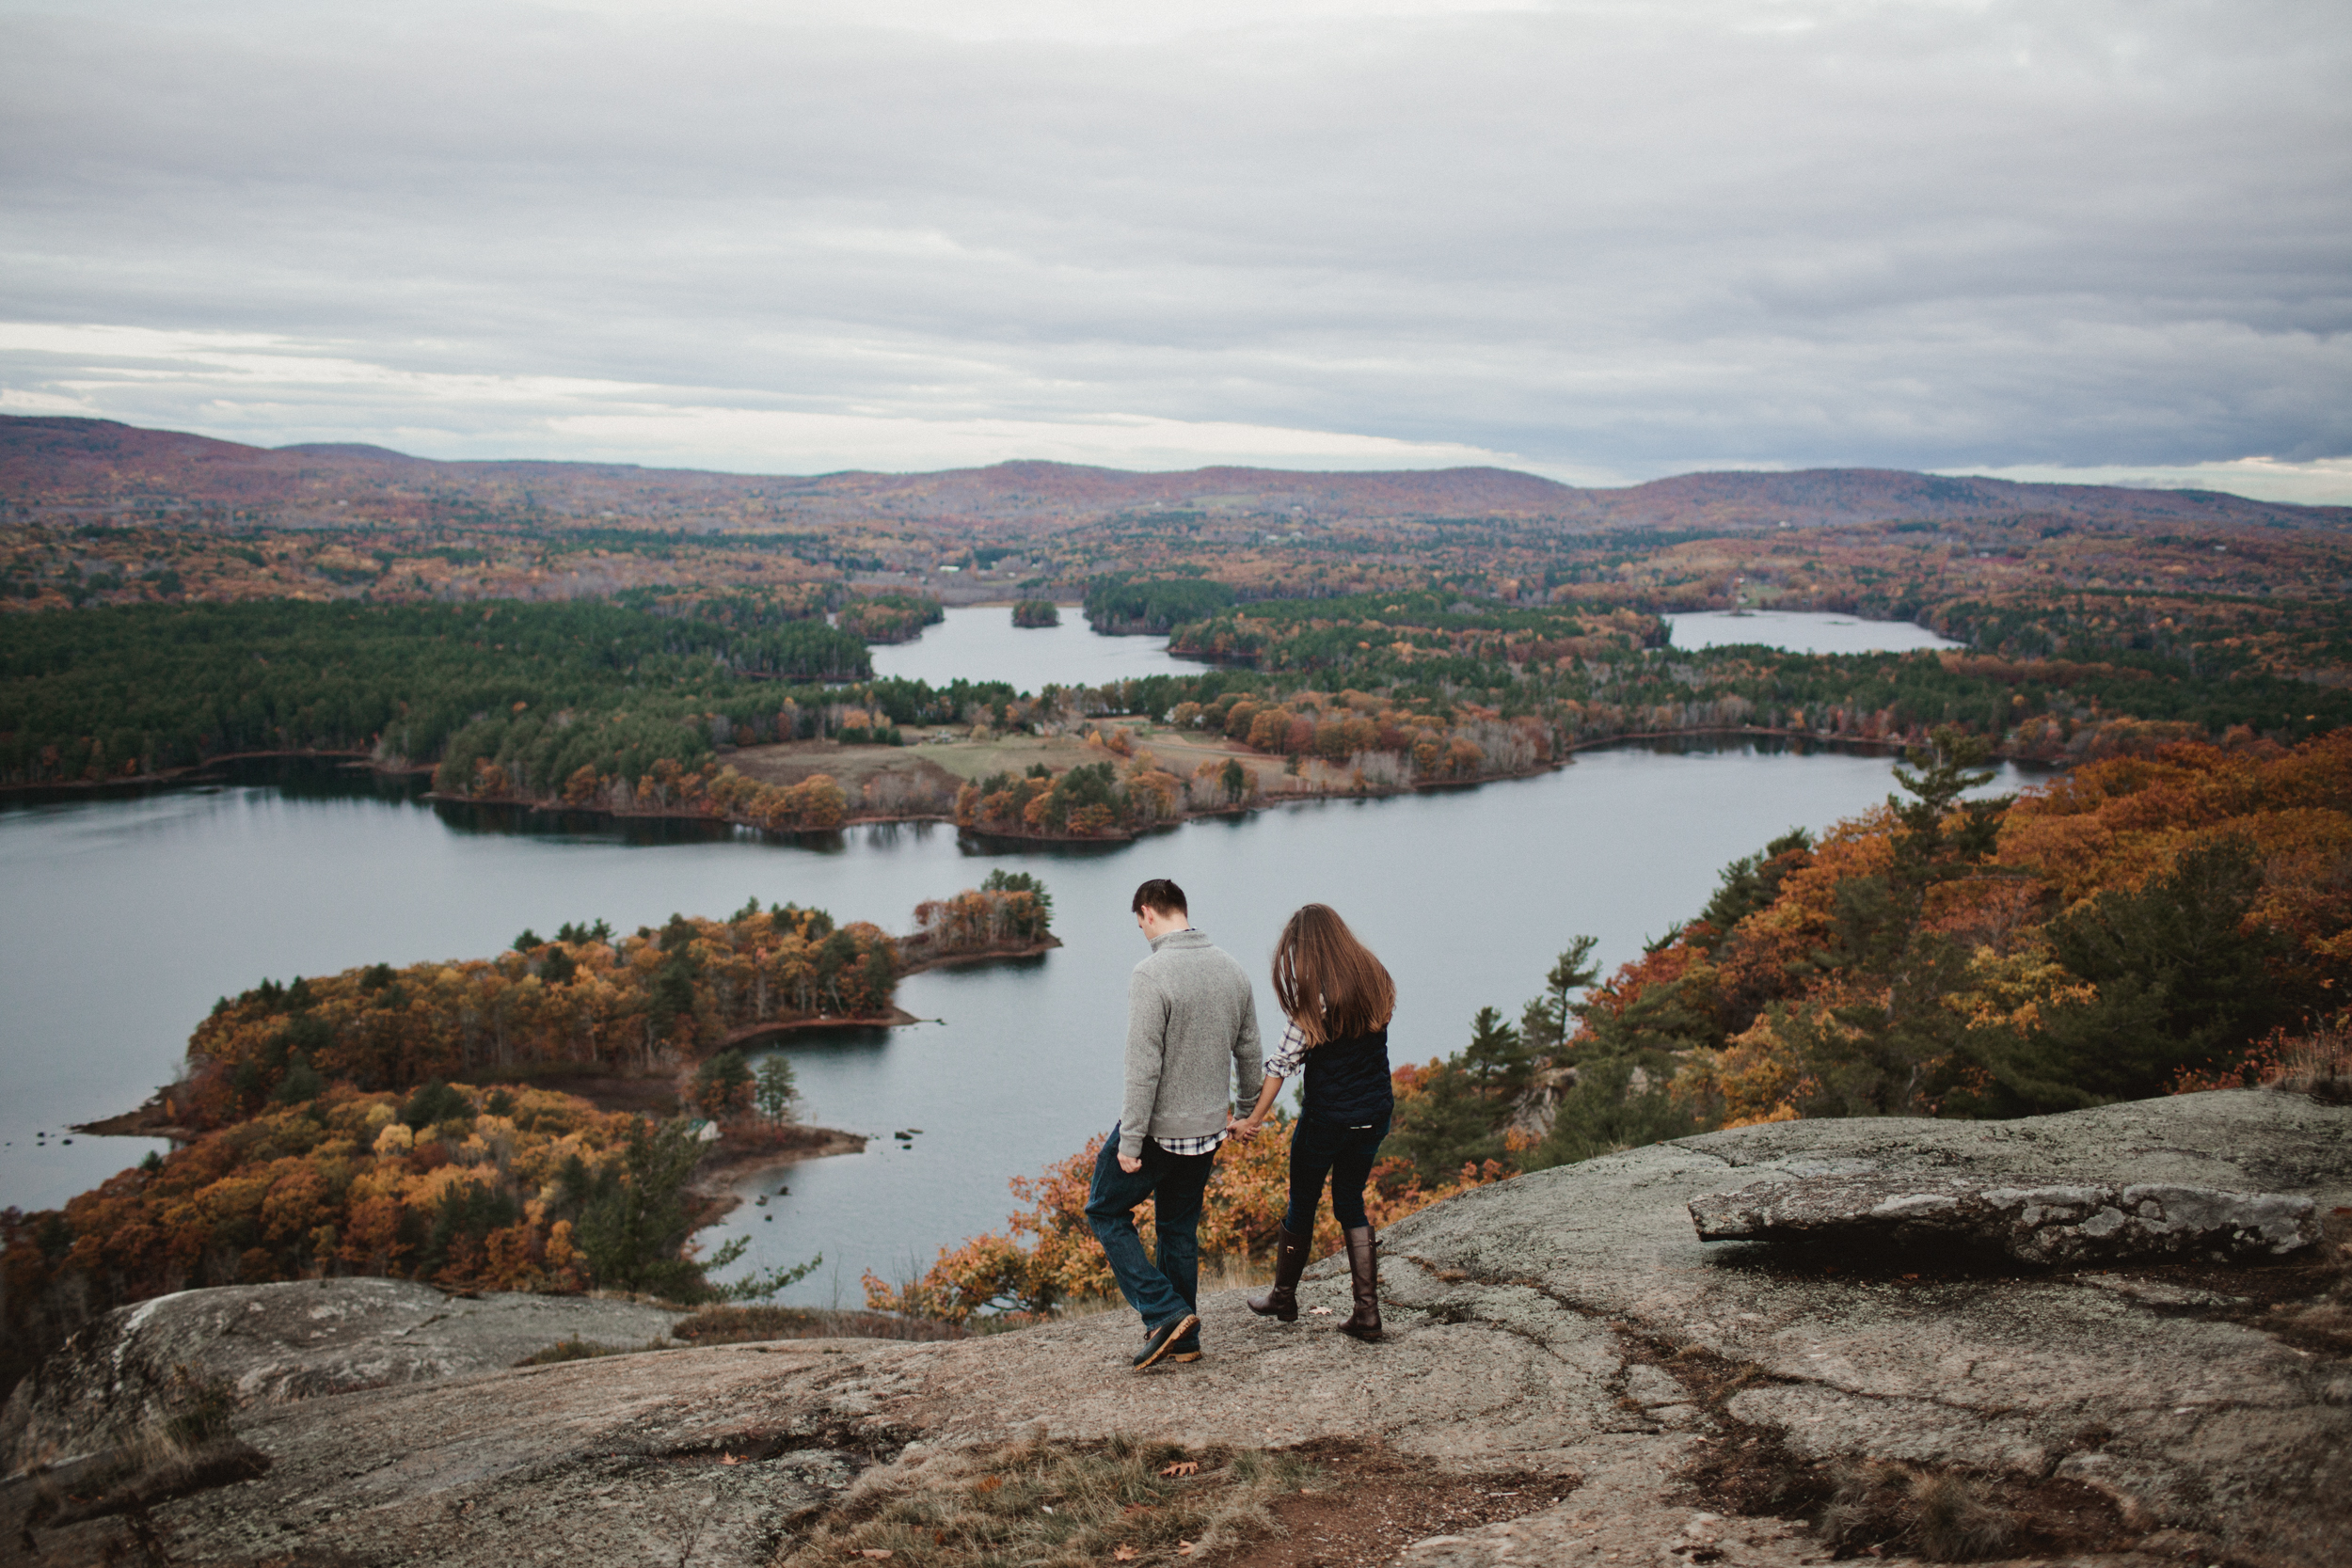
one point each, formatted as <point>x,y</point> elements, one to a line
<point>2050,1223</point>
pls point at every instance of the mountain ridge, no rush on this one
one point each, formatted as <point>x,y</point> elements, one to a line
<point>59,463</point>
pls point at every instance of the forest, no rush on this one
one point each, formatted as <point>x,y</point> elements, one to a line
<point>2059,677</point>
<point>540,690</point>
<point>584,1000</point>
<point>1119,606</point>
<point>2141,925</point>
<point>635,706</point>
<point>140,691</point>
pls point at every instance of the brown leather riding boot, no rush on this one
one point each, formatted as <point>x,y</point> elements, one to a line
<point>1290,1261</point>
<point>1363,1268</point>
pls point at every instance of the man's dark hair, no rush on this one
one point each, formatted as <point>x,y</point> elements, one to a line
<point>1160,894</point>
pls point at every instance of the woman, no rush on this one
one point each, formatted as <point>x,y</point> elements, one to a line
<point>1338,1000</point>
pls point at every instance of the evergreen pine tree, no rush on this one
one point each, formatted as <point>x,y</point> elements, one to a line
<point>775,1091</point>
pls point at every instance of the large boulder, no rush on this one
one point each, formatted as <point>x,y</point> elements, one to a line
<point>2046,1223</point>
<point>1679,1401</point>
<point>271,1343</point>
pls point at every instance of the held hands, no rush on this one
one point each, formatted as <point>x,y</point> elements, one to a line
<point>1242,1128</point>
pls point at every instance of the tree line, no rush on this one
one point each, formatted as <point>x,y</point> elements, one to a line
<point>584,1000</point>
<point>628,706</point>
<point>2078,675</point>
<point>1119,604</point>
<point>143,690</point>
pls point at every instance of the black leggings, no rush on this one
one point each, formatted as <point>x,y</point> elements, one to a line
<point>1344,1154</point>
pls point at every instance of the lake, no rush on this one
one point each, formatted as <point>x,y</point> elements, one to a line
<point>980,643</point>
<point>126,918</point>
<point>1800,632</point>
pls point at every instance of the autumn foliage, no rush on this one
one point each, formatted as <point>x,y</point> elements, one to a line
<point>1047,1257</point>
<point>586,1000</point>
<point>1010,910</point>
<point>507,1189</point>
<point>2144,924</point>
<point>670,788</point>
<point>2139,922</point>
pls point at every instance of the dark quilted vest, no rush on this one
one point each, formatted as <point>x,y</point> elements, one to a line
<point>1347,1080</point>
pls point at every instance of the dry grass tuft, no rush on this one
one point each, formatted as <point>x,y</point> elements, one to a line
<point>2318,1064</point>
<point>1939,1515</point>
<point>731,1325</point>
<point>184,1446</point>
<point>742,1325</point>
<point>585,1349</point>
<point>1055,1505</point>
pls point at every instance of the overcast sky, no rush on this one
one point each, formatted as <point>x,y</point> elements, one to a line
<point>1605,242</point>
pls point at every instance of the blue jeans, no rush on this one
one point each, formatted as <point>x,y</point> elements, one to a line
<point>1163,1291</point>
<point>1343,1153</point>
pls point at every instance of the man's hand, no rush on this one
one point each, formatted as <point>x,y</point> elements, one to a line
<point>1130,1166</point>
<point>1237,1127</point>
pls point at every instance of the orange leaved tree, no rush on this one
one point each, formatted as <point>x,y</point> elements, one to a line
<point>1048,1258</point>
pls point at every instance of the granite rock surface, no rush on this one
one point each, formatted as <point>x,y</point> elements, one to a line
<point>1568,1324</point>
<point>274,1343</point>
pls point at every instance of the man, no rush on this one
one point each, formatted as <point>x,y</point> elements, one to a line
<point>1190,1013</point>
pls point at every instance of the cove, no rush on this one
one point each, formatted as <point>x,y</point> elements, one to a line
<point>127,917</point>
<point>979,643</point>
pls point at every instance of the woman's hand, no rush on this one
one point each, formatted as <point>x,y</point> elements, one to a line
<point>1247,1126</point>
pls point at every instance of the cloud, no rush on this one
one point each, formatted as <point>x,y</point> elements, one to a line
<point>2327,482</point>
<point>270,389</point>
<point>1603,240</point>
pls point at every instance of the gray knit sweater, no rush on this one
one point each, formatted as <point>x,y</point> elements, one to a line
<point>1189,1014</point>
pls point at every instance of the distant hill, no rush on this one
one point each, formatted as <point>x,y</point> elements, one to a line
<point>103,466</point>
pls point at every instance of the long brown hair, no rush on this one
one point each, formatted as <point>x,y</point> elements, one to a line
<point>1328,982</point>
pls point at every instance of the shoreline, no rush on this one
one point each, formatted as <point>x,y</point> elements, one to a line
<point>363,760</point>
<point>144,1120</point>
<point>977,955</point>
<point>714,1179</point>
<point>734,1039</point>
<point>193,773</point>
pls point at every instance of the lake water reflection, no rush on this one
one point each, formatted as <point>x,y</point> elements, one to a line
<point>980,643</point>
<point>125,918</point>
<point>1800,632</point>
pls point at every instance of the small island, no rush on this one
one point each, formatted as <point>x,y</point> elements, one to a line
<point>1036,612</point>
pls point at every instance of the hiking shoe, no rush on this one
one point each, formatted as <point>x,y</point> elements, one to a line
<point>1161,1339</point>
<point>1187,1348</point>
